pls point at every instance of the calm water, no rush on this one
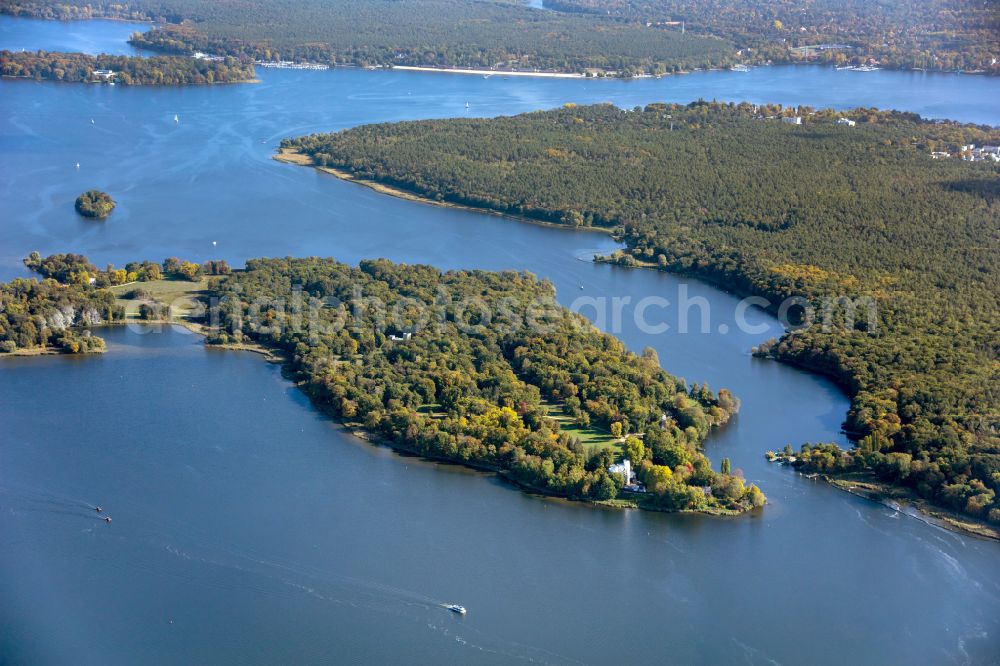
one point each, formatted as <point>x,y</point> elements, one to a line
<point>249,529</point>
<point>97,36</point>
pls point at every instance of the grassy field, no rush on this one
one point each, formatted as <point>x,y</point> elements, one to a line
<point>591,437</point>
<point>182,296</point>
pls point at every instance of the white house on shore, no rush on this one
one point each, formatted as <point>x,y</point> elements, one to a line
<point>104,73</point>
<point>792,120</point>
<point>846,121</point>
<point>623,469</point>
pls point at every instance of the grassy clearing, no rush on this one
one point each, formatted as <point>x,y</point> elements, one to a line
<point>432,410</point>
<point>181,295</point>
<point>591,437</point>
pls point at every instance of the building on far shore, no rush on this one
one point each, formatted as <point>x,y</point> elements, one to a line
<point>792,120</point>
<point>846,121</point>
<point>104,73</point>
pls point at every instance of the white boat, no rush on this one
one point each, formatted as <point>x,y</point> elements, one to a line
<point>455,608</point>
<point>176,119</point>
<point>740,68</point>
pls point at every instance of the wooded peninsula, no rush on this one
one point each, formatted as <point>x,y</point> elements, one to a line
<point>863,206</point>
<point>478,368</point>
<point>122,70</point>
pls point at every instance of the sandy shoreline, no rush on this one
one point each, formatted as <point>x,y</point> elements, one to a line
<point>488,72</point>
<point>299,159</point>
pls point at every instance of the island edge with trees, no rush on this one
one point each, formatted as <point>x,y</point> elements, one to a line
<point>535,394</point>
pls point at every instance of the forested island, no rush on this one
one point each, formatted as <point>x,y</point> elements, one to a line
<point>500,34</point>
<point>478,368</point>
<point>94,204</point>
<point>942,35</point>
<point>122,70</point>
<point>843,209</point>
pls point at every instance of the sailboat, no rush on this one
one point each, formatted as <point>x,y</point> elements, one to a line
<point>176,119</point>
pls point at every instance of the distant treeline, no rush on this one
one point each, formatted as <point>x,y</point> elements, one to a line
<point>731,194</point>
<point>621,36</point>
<point>128,70</point>
<point>943,35</point>
<point>442,33</point>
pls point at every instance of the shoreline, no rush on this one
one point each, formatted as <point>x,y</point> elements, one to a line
<point>907,503</point>
<point>11,77</point>
<point>490,72</point>
<point>288,156</point>
<point>152,24</point>
<point>31,352</point>
<point>631,501</point>
<point>356,429</point>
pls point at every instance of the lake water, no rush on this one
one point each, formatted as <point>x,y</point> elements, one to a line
<point>249,529</point>
<point>96,36</point>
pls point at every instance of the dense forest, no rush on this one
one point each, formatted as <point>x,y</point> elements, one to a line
<point>54,313</point>
<point>465,366</point>
<point>447,33</point>
<point>943,35</point>
<point>128,70</point>
<point>824,210</point>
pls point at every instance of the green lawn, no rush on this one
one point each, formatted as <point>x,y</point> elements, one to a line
<point>432,409</point>
<point>181,295</point>
<point>591,437</point>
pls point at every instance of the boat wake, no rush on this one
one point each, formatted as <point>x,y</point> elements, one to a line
<point>18,500</point>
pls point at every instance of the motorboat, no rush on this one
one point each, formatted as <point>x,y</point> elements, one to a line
<point>455,608</point>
